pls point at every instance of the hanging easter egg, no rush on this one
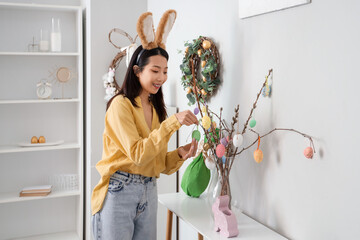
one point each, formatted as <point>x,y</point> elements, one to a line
<point>309,152</point>
<point>238,140</point>
<point>209,163</point>
<point>252,123</point>
<point>258,156</point>
<point>203,109</point>
<point>214,124</point>
<point>220,150</point>
<point>223,159</point>
<point>196,134</point>
<point>206,146</point>
<point>196,111</point>
<point>206,44</point>
<point>206,122</point>
<point>224,142</point>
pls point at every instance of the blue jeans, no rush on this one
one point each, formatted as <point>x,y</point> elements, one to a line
<point>129,210</point>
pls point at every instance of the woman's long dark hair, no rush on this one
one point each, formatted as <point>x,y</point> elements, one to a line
<point>131,86</point>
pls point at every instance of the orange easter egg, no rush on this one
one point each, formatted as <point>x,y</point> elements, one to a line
<point>258,156</point>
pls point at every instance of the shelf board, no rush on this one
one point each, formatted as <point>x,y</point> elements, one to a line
<point>40,53</point>
<point>39,101</point>
<point>14,148</point>
<point>25,6</point>
<point>11,197</point>
<point>53,236</point>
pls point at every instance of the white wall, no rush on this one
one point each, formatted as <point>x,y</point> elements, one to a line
<point>314,51</point>
<point>101,17</point>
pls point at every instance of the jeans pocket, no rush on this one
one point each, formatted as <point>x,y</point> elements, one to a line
<point>115,185</point>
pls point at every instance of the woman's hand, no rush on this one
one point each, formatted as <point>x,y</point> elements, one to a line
<point>189,150</point>
<point>187,117</point>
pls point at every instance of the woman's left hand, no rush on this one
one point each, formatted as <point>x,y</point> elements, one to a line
<point>189,150</point>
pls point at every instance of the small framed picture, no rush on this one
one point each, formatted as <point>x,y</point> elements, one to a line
<point>251,8</point>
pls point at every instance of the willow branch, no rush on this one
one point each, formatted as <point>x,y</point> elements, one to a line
<point>277,129</point>
<point>254,105</point>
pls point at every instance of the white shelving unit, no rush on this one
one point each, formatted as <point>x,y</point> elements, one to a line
<point>22,115</point>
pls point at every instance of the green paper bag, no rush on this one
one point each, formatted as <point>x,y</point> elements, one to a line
<point>196,177</point>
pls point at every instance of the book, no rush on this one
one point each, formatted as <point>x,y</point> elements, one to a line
<point>36,194</point>
<point>41,190</point>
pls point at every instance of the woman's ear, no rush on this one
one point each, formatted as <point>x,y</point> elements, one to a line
<point>136,70</point>
<point>164,27</point>
<point>145,29</point>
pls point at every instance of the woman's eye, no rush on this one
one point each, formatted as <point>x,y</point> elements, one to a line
<point>165,73</point>
<point>155,71</point>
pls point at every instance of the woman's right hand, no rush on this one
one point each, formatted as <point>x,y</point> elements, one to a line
<point>187,118</point>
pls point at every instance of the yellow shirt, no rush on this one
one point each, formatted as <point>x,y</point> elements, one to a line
<point>130,146</point>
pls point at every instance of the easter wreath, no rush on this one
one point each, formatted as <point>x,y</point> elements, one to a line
<point>110,84</point>
<point>200,52</point>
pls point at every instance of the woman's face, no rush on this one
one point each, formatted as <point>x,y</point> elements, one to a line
<point>154,74</point>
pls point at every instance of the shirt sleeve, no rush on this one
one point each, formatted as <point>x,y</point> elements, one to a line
<point>173,162</point>
<point>121,129</point>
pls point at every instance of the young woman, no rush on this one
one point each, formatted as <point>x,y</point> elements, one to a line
<point>124,203</point>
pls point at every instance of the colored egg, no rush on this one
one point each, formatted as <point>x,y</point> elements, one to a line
<point>238,140</point>
<point>223,159</point>
<point>196,134</point>
<point>206,122</point>
<point>220,150</point>
<point>203,109</point>
<point>214,124</point>
<point>209,163</point>
<point>258,156</point>
<point>224,142</point>
<point>252,123</point>
<point>206,44</point>
<point>309,152</point>
<point>206,146</point>
<point>196,111</point>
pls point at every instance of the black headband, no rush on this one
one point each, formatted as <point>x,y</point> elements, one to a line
<point>139,55</point>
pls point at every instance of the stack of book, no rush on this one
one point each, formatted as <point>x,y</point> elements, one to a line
<point>36,191</point>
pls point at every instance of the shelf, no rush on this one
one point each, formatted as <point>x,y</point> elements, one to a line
<point>14,148</point>
<point>39,54</point>
<point>11,197</point>
<point>54,236</point>
<point>40,101</point>
<point>38,6</point>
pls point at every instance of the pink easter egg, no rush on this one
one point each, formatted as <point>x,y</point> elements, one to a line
<point>309,152</point>
<point>220,150</point>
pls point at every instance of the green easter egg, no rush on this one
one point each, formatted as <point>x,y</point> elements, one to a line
<point>196,134</point>
<point>252,123</point>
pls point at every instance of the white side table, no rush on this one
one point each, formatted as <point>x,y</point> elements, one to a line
<point>197,213</point>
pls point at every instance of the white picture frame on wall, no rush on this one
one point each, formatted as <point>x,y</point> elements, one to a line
<point>251,8</point>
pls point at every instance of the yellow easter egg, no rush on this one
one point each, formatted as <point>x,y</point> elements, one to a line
<point>206,122</point>
<point>188,90</point>
<point>203,63</point>
<point>258,156</point>
<point>206,44</point>
<point>203,109</point>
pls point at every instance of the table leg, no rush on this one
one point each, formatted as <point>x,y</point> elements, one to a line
<point>169,224</point>
<point>200,237</point>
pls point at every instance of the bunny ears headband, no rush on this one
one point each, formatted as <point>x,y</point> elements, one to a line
<point>145,28</point>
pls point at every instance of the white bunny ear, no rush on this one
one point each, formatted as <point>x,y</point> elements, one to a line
<point>145,29</point>
<point>164,27</point>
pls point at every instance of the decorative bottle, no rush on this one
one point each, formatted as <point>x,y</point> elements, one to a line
<point>55,35</point>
